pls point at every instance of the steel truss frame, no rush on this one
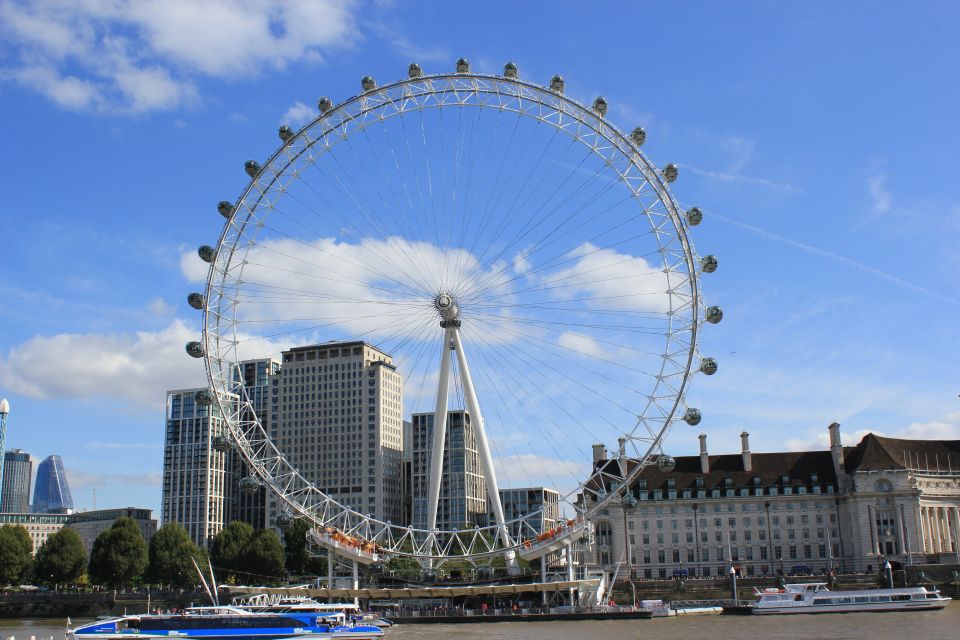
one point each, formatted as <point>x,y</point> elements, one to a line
<point>663,405</point>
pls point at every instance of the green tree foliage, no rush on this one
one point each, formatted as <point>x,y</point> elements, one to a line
<point>119,555</point>
<point>227,550</point>
<point>171,551</point>
<point>16,554</point>
<point>298,559</point>
<point>61,559</point>
<point>240,553</point>
<point>264,555</point>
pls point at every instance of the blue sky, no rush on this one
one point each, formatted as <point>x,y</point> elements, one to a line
<point>818,138</point>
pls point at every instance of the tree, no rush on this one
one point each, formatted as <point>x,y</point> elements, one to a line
<point>119,555</point>
<point>171,551</point>
<point>298,559</point>
<point>61,559</point>
<point>227,550</point>
<point>263,555</point>
<point>16,554</point>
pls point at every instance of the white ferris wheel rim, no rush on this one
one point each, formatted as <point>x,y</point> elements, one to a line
<point>509,94</point>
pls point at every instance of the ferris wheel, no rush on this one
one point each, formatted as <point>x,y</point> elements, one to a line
<point>520,261</point>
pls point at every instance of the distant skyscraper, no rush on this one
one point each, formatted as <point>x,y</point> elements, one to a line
<point>15,490</point>
<point>337,416</point>
<point>463,491</point>
<point>52,492</point>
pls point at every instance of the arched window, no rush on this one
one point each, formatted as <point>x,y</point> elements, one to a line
<point>604,534</point>
<point>883,486</point>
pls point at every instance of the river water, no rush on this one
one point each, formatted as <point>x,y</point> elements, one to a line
<point>917,625</point>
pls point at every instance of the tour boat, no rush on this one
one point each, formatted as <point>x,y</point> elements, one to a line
<point>262,603</point>
<point>815,597</point>
<point>228,623</point>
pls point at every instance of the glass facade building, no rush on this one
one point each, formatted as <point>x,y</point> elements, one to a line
<point>52,491</point>
<point>15,489</point>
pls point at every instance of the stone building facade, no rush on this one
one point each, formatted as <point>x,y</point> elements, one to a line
<point>843,509</point>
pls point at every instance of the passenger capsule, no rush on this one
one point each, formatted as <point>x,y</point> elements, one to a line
<point>694,216</point>
<point>671,172</point>
<point>203,397</point>
<point>197,301</point>
<point>714,315</point>
<point>709,264</point>
<point>249,484</point>
<point>195,349</point>
<point>708,366</point>
<point>225,208</point>
<point>220,443</point>
<point>252,167</point>
<point>666,463</point>
<point>463,65</point>
<point>283,520</point>
<point>556,84</point>
<point>639,136</point>
<point>206,253</point>
<point>429,575</point>
<point>600,105</point>
<point>692,416</point>
<point>630,501</point>
<point>324,104</point>
<point>484,573</point>
<point>368,83</point>
<point>414,70</point>
<point>510,70</point>
<point>285,133</point>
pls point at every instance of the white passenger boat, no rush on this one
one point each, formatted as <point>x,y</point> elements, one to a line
<point>815,597</point>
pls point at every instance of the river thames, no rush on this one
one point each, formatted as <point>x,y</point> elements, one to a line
<point>925,625</point>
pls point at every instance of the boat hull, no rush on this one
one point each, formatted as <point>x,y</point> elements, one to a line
<point>853,608</point>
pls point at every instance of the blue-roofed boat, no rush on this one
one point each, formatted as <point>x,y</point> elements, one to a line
<point>229,623</point>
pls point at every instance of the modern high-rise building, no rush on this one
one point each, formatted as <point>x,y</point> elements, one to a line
<point>336,414</point>
<point>51,494</point>
<point>249,504</point>
<point>523,503</point>
<point>463,490</point>
<point>197,470</point>
<point>4,412</point>
<point>15,490</point>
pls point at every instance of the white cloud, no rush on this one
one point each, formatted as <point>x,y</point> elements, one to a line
<point>145,55</point>
<point>581,344</point>
<point>135,368</point>
<point>612,280</point>
<point>298,115</point>
<point>882,201</point>
<point>159,307</point>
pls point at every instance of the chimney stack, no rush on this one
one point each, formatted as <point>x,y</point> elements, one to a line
<point>745,451</point>
<point>836,447</point>
<point>599,454</point>
<point>704,457</point>
<point>622,447</point>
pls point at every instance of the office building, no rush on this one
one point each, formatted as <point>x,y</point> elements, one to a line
<point>336,414</point>
<point>39,526</point>
<point>249,503</point>
<point>90,524</point>
<point>51,493</point>
<point>463,490</point>
<point>843,509</point>
<point>524,502</point>
<point>197,470</point>
<point>15,489</point>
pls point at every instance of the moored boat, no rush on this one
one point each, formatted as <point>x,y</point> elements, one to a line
<point>815,597</point>
<point>228,623</point>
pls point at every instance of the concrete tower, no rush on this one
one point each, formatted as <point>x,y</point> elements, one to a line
<point>4,411</point>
